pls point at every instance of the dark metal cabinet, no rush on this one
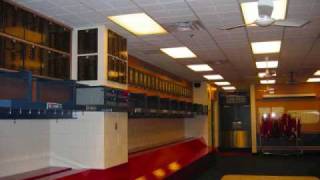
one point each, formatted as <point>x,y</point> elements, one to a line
<point>174,106</point>
<point>117,58</point>
<point>87,68</point>
<point>137,105</point>
<point>32,60</point>
<point>164,107</point>
<point>101,98</point>
<point>13,54</point>
<point>182,108</point>
<point>88,64</point>
<point>2,16</point>
<point>153,103</point>
<point>14,20</point>
<point>33,43</point>
<point>87,41</point>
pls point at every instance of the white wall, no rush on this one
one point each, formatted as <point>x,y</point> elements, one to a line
<point>87,142</point>
<point>78,143</point>
<point>199,126</point>
<point>116,138</point>
<point>24,145</point>
<point>91,141</point>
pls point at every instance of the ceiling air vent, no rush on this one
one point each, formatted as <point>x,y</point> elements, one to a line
<point>184,26</point>
<point>220,62</point>
<point>151,52</point>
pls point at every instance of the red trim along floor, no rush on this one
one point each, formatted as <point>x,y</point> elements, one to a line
<point>152,164</point>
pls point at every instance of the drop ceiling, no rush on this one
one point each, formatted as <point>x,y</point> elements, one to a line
<point>227,52</point>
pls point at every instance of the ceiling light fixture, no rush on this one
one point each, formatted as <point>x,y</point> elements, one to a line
<point>266,47</point>
<point>222,83</point>
<point>213,77</point>
<point>313,80</point>
<point>179,52</point>
<point>317,73</point>
<point>250,11</point>
<point>229,88</point>
<point>138,24</point>
<point>200,67</point>
<point>266,64</point>
<point>269,81</point>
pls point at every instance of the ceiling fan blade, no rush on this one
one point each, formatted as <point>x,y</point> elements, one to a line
<point>233,27</point>
<point>291,22</point>
<point>265,8</point>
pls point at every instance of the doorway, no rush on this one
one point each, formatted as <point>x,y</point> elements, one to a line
<point>234,112</point>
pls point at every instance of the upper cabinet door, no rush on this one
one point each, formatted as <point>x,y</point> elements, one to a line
<point>88,41</point>
<point>14,21</point>
<point>2,15</point>
<point>33,28</point>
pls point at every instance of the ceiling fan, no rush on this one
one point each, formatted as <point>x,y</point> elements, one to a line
<point>265,9</point>
<point>268,74</point>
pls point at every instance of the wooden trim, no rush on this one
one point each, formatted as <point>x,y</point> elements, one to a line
<point>150,69</point>
<point>33,44</point>
<point>253,119</point>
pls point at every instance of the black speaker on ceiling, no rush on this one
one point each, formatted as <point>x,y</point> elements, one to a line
<point>196,84</point>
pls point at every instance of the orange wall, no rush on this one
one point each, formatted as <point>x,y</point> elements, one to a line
<point>292,104</point>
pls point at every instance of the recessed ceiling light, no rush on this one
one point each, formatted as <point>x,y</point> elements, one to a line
<point>179,52</point>
<point>200,67</point>
<point>266,64</point>
<point>222,83</point>
<point>251,14</point>
<point>263,74</point>
<point>213,77</point>
<point>266,47</point>
<point>269,81</point>
<point>138,24</point>
<point>313,80</point>
<point>317,73</point>
<point>229,88</point>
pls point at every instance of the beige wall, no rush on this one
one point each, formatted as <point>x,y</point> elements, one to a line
<point>197,127</point>
<point>200,127</point>
<point>146,133</point>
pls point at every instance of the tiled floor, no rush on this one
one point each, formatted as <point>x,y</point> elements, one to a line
<point>251,177</point>
<point>262,165</point>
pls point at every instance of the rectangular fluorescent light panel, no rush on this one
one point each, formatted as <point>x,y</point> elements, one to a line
<point>266,64</point>
<point>229,88</point>
<point>313,80</point>
<point>179,52</point>
<point>317,73</point>
<point>222,83</point>
<point>266,47</point>
<point>263,75</point>
<point>200,67</point>
<point>250,11</point>
<point>213,77</point>
<point>270,81</point>
<point>138,24</point>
